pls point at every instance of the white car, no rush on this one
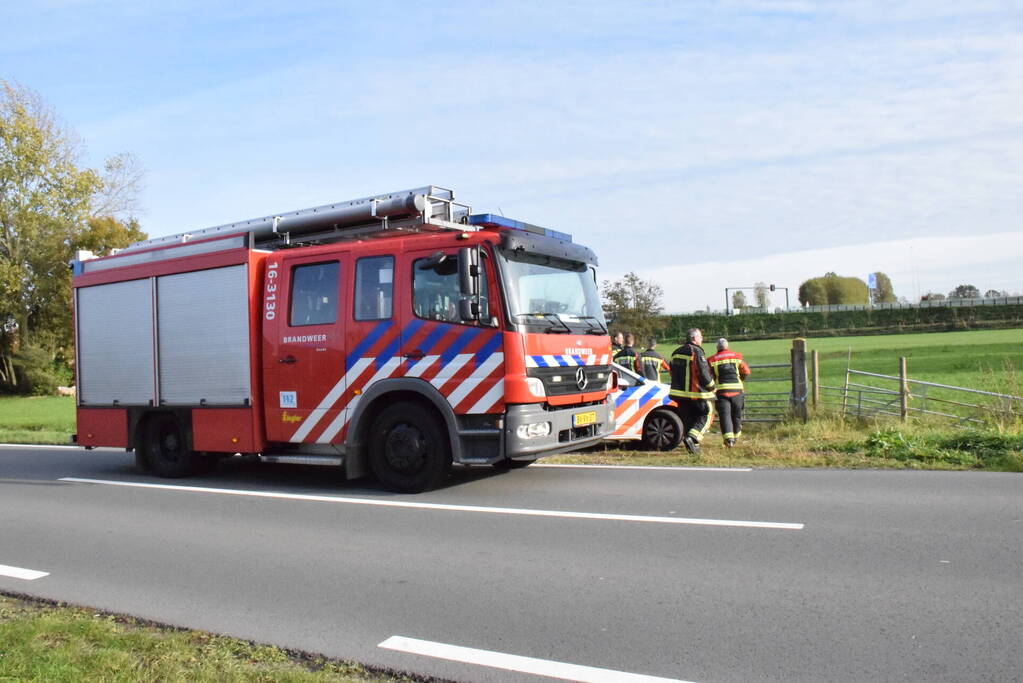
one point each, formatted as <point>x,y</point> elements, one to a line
<point>644,411</point>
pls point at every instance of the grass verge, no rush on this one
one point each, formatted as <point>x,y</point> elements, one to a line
<point>834,442</point>
<point>49,642</point>
<point>37,419</point>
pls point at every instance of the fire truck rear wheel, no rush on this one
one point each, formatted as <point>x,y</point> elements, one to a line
<point>662,430</point>
<point>408,452</point>
<point>166,449</point>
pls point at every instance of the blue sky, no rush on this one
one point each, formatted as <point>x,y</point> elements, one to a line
<point>702,144</point>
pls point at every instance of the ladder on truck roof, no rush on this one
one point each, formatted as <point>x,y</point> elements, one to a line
<point>408,210</point>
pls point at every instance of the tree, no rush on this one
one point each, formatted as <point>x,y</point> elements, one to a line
<point>964,292</point>
<point>738,300</point>
<point>883,293</point>
<point>994,293</point>
<point>760,295</point>
<point>813,293</point>
<point>634,304</point>
<point>933,296</point>
<point>46,203</point>
<point>832,289</point>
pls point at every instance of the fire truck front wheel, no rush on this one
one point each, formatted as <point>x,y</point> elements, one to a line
<point>662,430</point>
<point>408,452</point>
<point>166,448</point>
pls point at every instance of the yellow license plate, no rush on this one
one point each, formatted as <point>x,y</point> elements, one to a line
<point>583,419</point>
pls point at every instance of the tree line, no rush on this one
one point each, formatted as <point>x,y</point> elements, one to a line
<point>50,207</point>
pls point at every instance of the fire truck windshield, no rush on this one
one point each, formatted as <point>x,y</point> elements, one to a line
<point>552,294</point>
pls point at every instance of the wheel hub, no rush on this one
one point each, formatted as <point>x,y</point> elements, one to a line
<point>405,448</point>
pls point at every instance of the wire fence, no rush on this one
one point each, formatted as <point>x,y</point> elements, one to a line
<point>871,394</point>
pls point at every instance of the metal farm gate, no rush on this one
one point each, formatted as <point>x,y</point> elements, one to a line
<point>779,390</point>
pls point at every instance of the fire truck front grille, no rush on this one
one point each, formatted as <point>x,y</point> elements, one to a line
<point>565,380</point>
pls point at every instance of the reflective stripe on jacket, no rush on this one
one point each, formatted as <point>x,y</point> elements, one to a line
<point>628,358</point>
<point>690,374</point>
<point>729,370</point>
<point>651,363</point>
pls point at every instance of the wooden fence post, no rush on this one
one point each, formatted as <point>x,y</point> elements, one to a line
<point>903,389</point>
<point>799,378</point>
<point>815,369</point>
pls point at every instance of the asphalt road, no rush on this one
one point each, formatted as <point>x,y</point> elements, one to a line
<point>682,574</point>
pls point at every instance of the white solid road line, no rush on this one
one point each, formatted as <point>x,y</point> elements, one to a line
<point>441,506</point>
<point>19,573</point>
<point>646,467</point>
<point>529,665</point>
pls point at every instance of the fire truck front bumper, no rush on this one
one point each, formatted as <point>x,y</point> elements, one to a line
<point>532,431</point>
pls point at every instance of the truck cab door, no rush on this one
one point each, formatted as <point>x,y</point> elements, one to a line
<point>462,359</point>
<point>304,344</point>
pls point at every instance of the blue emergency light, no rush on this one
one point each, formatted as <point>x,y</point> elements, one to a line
<point>489,220</point>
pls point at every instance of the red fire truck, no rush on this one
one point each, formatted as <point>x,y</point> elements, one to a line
<point>395,334</point>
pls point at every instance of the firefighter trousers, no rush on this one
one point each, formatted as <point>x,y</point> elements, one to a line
<point>730,413</point>
<point>696,415</point>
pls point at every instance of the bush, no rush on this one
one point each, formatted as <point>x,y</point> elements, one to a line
<point>832,323</point>
<point>38,372</point>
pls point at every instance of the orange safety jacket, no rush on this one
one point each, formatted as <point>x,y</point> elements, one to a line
<point>729,370</point>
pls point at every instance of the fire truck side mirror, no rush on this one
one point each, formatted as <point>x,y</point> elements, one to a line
<point>474,309</point>
<point>469,271</point>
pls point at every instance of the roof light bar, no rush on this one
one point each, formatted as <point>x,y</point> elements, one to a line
<point>489,220</point>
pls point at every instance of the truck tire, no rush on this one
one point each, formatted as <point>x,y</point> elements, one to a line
<point>408,452</point>
<point>165,448</point>
<point>662,430</point>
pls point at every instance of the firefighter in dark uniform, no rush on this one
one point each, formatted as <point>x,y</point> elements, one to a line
<point>729,369</point>
<point>651,363</point>
<point>692,389</point>
<point>617,344</point>
<point>628,357</point>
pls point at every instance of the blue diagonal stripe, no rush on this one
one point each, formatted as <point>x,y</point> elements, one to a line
<point>426,346</point>
<point>579,360</point>
<point>622,397</point>
<point>368,341</point>
<point>460,343</point>
<point>647,395</point>
<point>561,361</point>
<point>387,353</point>
<point>488,349</point>
<point>541,362</point>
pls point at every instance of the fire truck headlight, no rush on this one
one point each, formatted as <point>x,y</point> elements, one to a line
<point>533,430</point>
<point>535,386</point>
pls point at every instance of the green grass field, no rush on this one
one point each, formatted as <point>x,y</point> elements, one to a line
<point>981,359</point>
<point>37,419</point>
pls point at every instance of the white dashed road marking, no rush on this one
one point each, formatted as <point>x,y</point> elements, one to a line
<point>19,573</point>
<point>529,665</point>
<point>450,508</point>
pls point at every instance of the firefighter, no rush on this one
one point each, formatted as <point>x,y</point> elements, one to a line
<point>628,357</point>
<point>692,389</point>
<point>729,369</point>
<point>651,363</point>
<point>617,344</point>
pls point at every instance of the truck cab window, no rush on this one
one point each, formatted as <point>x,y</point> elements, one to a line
<point>435,292</point>
<point>314,294</point>
<point>374,286</point>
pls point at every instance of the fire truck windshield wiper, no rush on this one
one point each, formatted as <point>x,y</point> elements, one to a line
<point>599,327</point>
<point>547,316</point>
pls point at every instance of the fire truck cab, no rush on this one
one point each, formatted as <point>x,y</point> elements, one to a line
<point>396,334</point>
